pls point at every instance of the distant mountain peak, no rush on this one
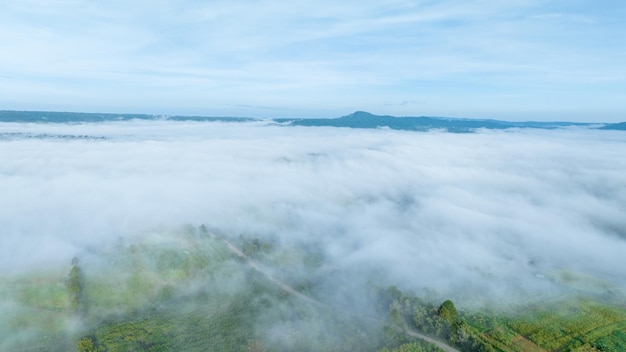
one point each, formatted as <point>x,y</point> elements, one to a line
<point>361,114</point>
<point>364,119</point>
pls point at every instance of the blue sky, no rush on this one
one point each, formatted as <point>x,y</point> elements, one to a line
<point>514,60</point>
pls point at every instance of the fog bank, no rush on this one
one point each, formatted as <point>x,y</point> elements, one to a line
<point>494,212</point>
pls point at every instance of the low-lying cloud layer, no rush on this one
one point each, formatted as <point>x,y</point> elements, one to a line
<point>492,212</point>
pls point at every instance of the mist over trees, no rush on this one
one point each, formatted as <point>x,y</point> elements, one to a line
<point>454,229</point>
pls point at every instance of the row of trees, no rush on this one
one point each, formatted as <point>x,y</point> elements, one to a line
<point>75,287</point>
<point>443,322</point>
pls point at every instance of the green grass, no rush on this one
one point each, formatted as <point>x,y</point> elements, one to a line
<point>559,324</point>
<point>572,324</point>
<point>188,291</point>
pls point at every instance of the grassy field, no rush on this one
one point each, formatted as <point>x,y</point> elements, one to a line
<point>188,290</point>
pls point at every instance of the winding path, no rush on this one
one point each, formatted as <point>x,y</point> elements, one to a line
<point>265,272</point>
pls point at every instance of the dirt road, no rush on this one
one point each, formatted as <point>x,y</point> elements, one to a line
<point>258,267</point>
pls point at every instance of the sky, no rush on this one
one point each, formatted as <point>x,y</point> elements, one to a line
<point>511,60</point>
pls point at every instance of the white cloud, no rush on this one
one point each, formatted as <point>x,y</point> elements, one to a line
<point>429,209</point>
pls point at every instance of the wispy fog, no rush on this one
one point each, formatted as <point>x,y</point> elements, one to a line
<point>490,212</point>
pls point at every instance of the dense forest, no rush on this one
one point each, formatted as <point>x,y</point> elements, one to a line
<point>193,290</point>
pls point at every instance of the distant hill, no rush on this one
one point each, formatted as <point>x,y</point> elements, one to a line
<point>615,126</point>
<point>77,117</point>
<point>362,119</point>
<point>358,119</point>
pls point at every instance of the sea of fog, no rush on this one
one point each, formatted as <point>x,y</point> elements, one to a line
<point>495,212</point>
